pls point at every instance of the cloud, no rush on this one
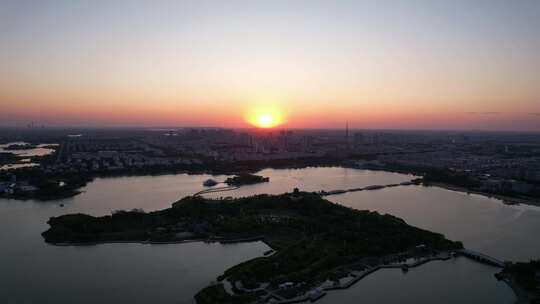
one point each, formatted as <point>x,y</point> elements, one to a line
<point>535,113</point>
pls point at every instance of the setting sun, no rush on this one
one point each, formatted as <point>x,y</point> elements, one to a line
<point>266,120</point>
<point>265,117</point>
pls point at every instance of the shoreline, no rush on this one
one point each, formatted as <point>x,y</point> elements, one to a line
<point>522,296</point>
<point>357,276</point>
<point>147,242</point>
<point>507,200</point>
<point>212,170</point>
<point>253,168</point>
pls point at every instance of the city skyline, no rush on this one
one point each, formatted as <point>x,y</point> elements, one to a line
<point>270,151</point>
<point>420,65</point>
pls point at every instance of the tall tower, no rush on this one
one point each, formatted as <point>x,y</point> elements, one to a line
<point>347,133</point>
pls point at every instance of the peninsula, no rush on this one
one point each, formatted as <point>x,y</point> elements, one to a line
<point>313,240</point>
<point>524,278</point>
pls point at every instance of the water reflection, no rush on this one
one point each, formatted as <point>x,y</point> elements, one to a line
<point>454,281</point>
<point>136,273</point>
<point>15,166</point>
<point>316,179</point>
<point>39,150</point>
<point>482,224</point>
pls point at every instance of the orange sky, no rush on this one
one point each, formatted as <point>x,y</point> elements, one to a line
<point>426,64</point>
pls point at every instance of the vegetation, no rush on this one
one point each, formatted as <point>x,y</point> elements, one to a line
<point>7,158</point>
<point>246,179</point>
<point>217,294</point>
<point>48,186</point>
<point>463,179</point>
<point>311,236</point>
<point>21,147</point>
<point>527,276</point>
<point>73,180</point>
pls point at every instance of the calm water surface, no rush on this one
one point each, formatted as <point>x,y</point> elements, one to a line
<point>481,223</point>
<point>455,281</point>
<point>315,179</point>
<point>32,271</point>
<point>39,150</point>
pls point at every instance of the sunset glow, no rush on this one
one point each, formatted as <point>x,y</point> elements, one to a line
<point>425,64</point>
<point>301,130</point>
<point>265,117</point>
<point>266,121</point>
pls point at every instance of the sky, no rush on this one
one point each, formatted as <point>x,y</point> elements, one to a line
<point>376,64</point>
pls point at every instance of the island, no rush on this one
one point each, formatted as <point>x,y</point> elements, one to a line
<point>315,243</point>
<point>246,179</point>
<point>15,147</point>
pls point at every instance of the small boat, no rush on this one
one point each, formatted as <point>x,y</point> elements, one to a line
<point>209,183</point>
<point>404,267</point>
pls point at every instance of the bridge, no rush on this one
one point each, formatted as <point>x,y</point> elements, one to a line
<point>219,189</point>
<point>322,192</point>
<point>480,257</point>
<point>368,188</point>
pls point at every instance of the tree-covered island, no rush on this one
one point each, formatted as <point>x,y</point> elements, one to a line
<point>246,179</point>
<point>314,241</point>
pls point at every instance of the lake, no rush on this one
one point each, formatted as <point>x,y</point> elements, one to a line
<point>39,150</point>
<point>33,271</point>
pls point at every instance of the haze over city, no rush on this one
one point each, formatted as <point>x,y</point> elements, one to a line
<point>270,152</point>
<point>304,64</point>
